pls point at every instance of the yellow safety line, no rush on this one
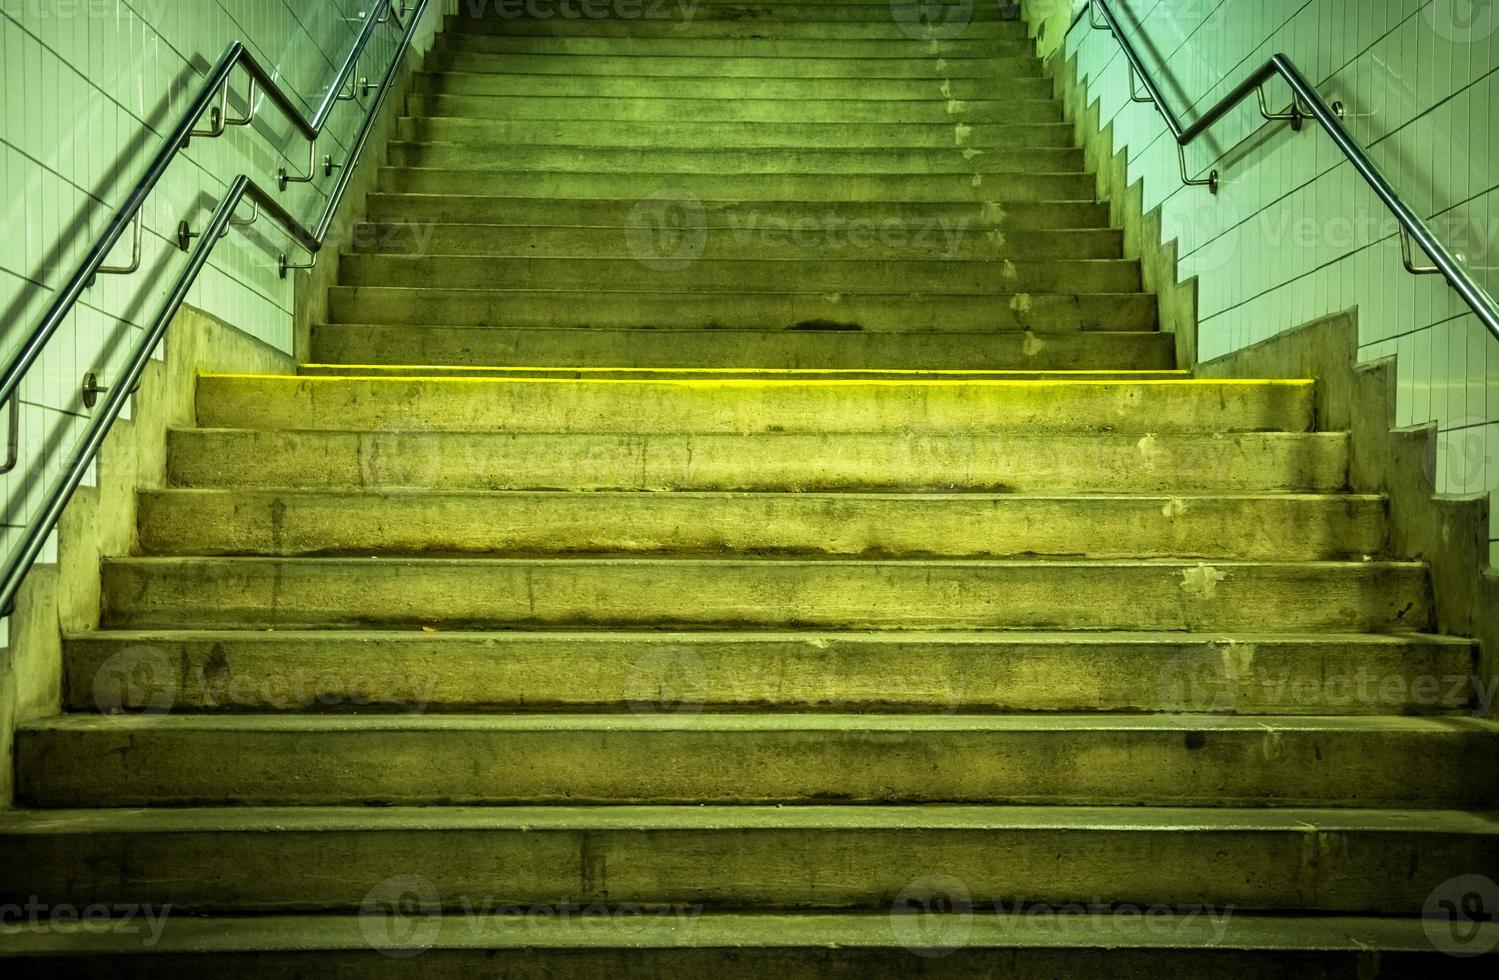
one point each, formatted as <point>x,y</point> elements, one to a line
<point>770,382</point>
<point>688,370</point>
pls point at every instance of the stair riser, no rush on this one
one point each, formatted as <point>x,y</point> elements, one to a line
<point>788,962</point>
<point>674,44</point>
<point>504,136</point>
<point>690,20</point>
<point>331,869</point>
<point>363,343</point>
<point>756,238</point>
<point>171,766</point>
<point>872,189</point>
<point>1045,314</point>
<point>934,70</point>
<point>717,87</point>
<point>730,110</point>
<point>480,593</point>
<point>1011,217</point>
<point>1014,463</point>
<point>188,523</point>
<point>798,269</point>
<point>421,405</point>
<point>682,674</point>
<point>668,159</point>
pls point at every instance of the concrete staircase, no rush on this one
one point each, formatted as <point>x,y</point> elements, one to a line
<point>741,518</point>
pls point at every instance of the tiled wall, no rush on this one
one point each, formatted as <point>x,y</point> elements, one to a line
<point>87,87</point>
<point>1295,234</point>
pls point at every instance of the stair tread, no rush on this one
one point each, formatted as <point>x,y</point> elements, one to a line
<point>666,818</point>
<point>811,497</point>
<point>828,723</point>
<point>1322,565</point>
<point>811,932</point>
<point>905,638</point>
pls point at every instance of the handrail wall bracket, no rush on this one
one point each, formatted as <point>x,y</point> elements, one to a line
<point>1306,103</point>
<point>211,100</point>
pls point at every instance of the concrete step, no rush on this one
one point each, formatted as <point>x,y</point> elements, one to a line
<point>671,43</point>
<point>733,135</point>
<point>739,759</point>
<point>885,32</point>
<point>1012,216</point>
<point>1197,677</point>
<point>658,190</point>
<point>757,406</point>
<point>768,24</point>
<point>470,593</point>
<point>1017,462</point>
<point>1046,315</point>
<point>750,236</point>
<point>377,343</point>
<point>789,111</point>
<point>743,858</point>
<point>961,162</point>
<point>560,941</point>
<point>936,70</point>
<point>731,373</point>
<point>804,270</point>
<point>288,523</point>
<point>714,86</point>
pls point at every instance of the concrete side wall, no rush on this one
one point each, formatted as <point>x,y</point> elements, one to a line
<point>1448,532</point>
<point>101,520</point>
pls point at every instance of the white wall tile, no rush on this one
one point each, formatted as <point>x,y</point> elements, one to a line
<point>87,90</point>
<point>1422,89</point>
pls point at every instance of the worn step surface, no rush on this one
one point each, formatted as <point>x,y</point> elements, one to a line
<point>744,350</point>
<point>417,210</point>
<point>1018,462</point>
<point>751,237</point>
<point>995,69</point>
<point>740,759</point>
<point>287,523</point>
<point>901,22</point>
<point>275,593</point>
<point>677,44</point>
<point>707,405</point>
<point>805,272</point>
<point>749,139</point>
<point>242,859</point>
<point>875,187</point>
<point>714,86</point>
<point>962,159</point>
<point>1192,677</point>
<point>904,310</point>
<point>390,940</point>
<point>412,370</point>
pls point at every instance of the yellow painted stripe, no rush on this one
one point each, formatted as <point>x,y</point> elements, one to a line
<point>770,382</point>
<point>785,371</point>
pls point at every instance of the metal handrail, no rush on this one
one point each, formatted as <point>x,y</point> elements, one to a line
<point>243,188</point>
<point>1307,102</point>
